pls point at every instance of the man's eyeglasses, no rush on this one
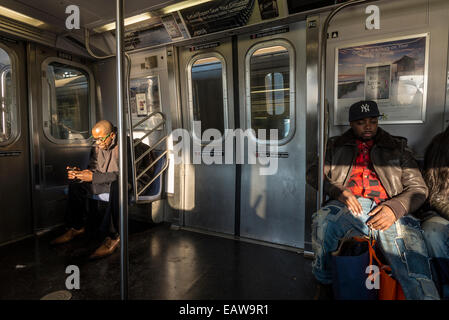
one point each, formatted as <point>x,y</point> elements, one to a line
<point>101,139</point>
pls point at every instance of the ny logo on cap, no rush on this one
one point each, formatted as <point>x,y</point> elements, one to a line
<point>364,108</point>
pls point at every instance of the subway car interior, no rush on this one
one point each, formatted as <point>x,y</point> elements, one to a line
<point>175,75</point>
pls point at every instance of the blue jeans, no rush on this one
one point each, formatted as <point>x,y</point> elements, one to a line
<point>402,245</point>
<point>436,235</point>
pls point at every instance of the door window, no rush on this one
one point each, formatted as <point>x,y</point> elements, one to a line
<point>270,88</point>
<point>69,112</point>
<point>208,98</point>
<point>8,102</point>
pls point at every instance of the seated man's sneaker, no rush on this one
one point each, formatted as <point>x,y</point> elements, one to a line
<point>107,248</point>
<point>68,236</point>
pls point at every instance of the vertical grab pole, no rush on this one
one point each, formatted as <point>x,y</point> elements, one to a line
<point>123,170</point>
<point>322,95</point>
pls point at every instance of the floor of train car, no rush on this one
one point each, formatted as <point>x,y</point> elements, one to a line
<point>164,264</point>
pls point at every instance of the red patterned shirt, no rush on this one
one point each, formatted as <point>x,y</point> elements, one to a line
<point>364,181</point>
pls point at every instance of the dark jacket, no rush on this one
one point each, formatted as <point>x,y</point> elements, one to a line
<point>436,175</point>
<point>393,162</point>
<point>105,166</point>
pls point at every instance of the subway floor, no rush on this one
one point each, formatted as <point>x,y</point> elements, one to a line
<point>164,264</point>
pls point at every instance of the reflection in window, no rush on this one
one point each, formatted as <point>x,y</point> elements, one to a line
<point>207,93</point>
<point>274,85</point>
<point>8,108</point>
<point>270,90</point>
<point>69,102</point>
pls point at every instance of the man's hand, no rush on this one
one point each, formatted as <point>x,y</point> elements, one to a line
<point>71,172</point>
<point>85,175</point>
<point>351,202</point>
<point>383,218</point>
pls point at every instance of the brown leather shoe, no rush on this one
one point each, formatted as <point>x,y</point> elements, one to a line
<point>107,248</point>
<point>68,236</point>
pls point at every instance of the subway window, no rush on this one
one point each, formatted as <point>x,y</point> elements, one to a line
<point>68,117</point>
<point>270,97</point>
<point>8,104</point>
<point>208,92</point>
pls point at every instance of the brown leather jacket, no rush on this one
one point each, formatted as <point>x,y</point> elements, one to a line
<point>393,162</point>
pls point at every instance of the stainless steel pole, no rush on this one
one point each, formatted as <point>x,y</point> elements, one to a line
<point>123,179</point>
<point>322,95</point>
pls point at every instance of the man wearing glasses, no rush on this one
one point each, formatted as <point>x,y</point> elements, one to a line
<point>101,176</point>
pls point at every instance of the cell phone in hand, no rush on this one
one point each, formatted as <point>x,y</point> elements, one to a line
<point>76,180</point>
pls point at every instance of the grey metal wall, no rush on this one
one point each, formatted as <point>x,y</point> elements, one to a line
<point>209,192</point>
<point>400,18</point>
<point>15,188</point>
<point>49,159</point>
<point>273,206</point>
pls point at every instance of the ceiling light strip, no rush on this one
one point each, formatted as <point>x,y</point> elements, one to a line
<point>20,17</point>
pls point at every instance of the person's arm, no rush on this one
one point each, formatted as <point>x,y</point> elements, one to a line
<point>415,190</point>
<point>441,206</point>
<point>331,187</point>
<point>104,177</point>
<point>338,191</point>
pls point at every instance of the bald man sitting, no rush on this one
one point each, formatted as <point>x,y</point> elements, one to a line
<point>100,177</point>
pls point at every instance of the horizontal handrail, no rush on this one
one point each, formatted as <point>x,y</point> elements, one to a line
<point>161,124</point>
<point>149,150</point>
<point>148,117</point>
<point>155,177</point>
<point>148,133</point>
<point>150,165</point>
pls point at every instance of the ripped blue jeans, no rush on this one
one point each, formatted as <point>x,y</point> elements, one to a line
<point>402,245</point>
<point>436,234</point>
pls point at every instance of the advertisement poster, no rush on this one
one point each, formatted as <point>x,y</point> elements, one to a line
<point>141,101</point>
<point>144,99</point>
<point>172,27</point>
<point>393,73</point>
<point>216,16</point>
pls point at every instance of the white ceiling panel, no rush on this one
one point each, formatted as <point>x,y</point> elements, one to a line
<point>92,12</point>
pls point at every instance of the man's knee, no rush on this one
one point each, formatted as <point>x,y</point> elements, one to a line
<point>436,234</point>
<point>331,211</point>
<point>325,220</point>
<point>412,247</point>
<point>434,231</point>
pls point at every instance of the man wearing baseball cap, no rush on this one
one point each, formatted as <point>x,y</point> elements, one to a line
<point>373,183</point>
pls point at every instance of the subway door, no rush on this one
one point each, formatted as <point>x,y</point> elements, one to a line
<point>63,111</point>
<point>15,198</point>
<point>206,92</point>
<point>273,77</point>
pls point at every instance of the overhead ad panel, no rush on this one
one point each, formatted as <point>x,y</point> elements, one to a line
<point>296,6</point>
<point>212,17</point>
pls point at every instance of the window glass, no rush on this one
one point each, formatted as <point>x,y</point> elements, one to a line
<point>207,93</point>
<point>69,102</point>
<point>8,107</point>
<point>270,90</point>
<point>145,99</point>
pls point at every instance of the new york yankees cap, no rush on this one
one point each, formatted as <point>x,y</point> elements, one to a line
<point>363,109</point>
